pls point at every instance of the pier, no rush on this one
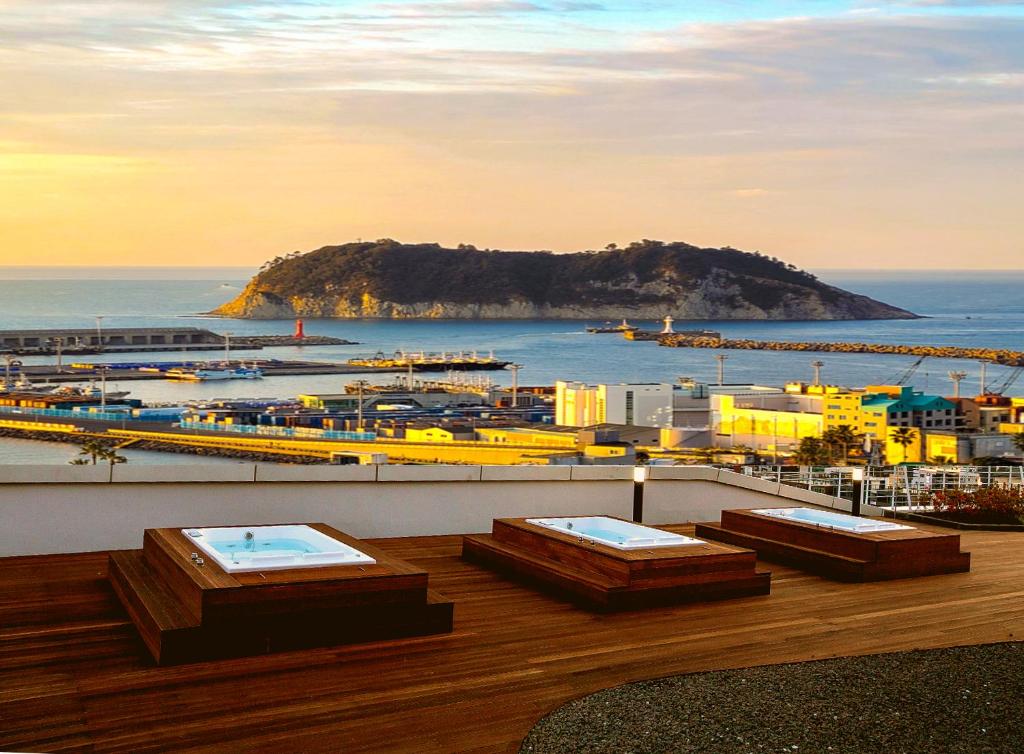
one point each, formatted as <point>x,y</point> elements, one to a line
<point>89,371</point>
<point>1002,356</point>
<point>100,339</point>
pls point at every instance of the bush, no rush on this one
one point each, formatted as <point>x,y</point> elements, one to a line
<point>993,504</point>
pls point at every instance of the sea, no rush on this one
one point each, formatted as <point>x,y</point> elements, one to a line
<point>959,308</point>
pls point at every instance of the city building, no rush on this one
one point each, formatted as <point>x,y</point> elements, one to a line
<point>764,419</point>
<point>645,405</point>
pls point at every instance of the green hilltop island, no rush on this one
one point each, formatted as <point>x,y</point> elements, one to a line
<point>646,280</point>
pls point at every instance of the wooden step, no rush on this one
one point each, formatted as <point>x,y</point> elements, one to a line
<point>607,594</point>
<point>894,565</point>
<point>155,610</point>
<point>581,586</point>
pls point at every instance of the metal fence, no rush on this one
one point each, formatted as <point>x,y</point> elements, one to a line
<point>298,433</point>
<point>892,487</point>
<point>64,413</point>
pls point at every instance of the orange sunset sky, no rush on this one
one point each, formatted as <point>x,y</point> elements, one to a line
<point>829,134</point>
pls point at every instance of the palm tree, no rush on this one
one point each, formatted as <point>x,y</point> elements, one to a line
<point>1018,441</point>
<point>811,452</point>
<point>904,437</point>
<point>93,448</point>
<point>841,437</point>
<point>111,456</point>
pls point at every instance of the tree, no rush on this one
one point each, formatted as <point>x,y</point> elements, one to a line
<point>811,452</point>
<point>1018,441</point>
<point>904,437</point>
<point>111,456</point>
<point>94,449</point>
<point>79,461</point>
<point>839,439</point>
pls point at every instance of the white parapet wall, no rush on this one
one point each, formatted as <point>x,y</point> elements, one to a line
<point>55,509</point>
<point>677,494</point>
<point>60,509</point>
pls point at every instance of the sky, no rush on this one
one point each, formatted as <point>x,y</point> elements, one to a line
<point>858,134</point>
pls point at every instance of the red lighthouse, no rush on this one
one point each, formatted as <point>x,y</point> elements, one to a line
<point>299,332</point>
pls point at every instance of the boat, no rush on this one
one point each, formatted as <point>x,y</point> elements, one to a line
<point>431,362</point>
<point>210,374</point>
<point>90,391</point>
<point>610,328</point>
<point>24,385</point>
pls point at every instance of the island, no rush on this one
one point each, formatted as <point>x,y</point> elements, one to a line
<point>645,280</point>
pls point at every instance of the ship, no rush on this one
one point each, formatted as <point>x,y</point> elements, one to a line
<point>638,334</point>
<point>214,374</point>
<point>90,391</point>
<point>432,362</point>
<point>608,327</point>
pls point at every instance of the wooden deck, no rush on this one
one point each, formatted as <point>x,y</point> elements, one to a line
<point>74,676</point>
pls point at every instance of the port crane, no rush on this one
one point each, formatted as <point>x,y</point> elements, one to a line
<point>1006,384</point>
<point>905,378</point>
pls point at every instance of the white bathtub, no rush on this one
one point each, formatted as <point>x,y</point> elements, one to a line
<point>830,520</point>
<point>238,549</point>
<point>622,535</point>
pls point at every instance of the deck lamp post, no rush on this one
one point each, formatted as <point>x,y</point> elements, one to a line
<point>857,476</point>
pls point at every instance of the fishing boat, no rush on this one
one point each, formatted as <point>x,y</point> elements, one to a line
<point>211,374</point>
<point>432,362</point>
<point>608,327</point>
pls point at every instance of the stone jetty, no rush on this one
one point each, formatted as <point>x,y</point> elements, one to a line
<point>1002,356</point>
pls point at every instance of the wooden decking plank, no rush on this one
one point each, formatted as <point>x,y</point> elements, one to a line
<point>464,691</point>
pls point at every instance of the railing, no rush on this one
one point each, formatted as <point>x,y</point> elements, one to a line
<point>64,413</point>
<point>828,480</point>
<point>913,487</point>
<point>892,487</point>
<point>258,430</point>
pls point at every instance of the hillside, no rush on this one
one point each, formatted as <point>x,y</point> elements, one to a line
<point>646,280</point>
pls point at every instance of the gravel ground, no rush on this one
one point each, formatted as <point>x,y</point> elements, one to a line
<point>966,700</point>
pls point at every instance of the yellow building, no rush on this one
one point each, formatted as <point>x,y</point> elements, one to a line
<point>438,434</point>
<point>773,423</point>
<point>542,438</point>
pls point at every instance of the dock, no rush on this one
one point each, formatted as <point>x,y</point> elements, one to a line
<point>91,371</point>
<point>72,341</point>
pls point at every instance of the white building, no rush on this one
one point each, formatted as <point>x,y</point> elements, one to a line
<point>641,405</point>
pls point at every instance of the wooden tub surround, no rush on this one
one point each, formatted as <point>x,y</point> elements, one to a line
<point>605,578</point>
<point>841,555</point>
<point>186,612</point>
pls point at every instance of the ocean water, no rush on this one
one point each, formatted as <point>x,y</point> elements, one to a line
<point>964,308</point>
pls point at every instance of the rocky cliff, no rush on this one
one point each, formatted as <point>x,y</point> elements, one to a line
<point>647,280</point>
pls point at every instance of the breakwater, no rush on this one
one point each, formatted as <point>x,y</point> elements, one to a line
<point>1002,356</point>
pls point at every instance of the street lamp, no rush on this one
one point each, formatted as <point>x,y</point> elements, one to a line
<point>514,368</point>
<point>99,332</point>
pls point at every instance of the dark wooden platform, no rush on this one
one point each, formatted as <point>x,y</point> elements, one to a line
<point>606,578</point>
<point>74,676</point>
<point>846,556</point>
<point>185,612</point>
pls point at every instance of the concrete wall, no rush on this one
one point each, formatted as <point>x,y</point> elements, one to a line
<point>675,494</point>
<point>53,509</point>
